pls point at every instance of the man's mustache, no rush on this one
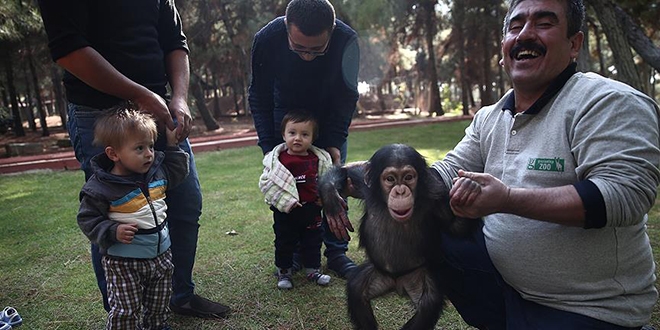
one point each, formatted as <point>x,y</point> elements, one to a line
<point>517,48</point>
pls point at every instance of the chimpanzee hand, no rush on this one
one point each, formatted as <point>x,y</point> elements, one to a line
<point>331,186</point>
<point>475,195</point>
<point>338,221</point>
<point>464,191</point>
<point>126,232</point>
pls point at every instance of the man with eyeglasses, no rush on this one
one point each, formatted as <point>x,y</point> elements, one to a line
<point>307,59</point>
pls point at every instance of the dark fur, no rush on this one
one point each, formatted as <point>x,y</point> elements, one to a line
<point>402,257</point>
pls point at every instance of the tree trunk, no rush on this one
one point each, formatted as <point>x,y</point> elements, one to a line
<point>27,111</point>
<point>459,19</point>
<point>381,98</point>
<point>435,105</point>
<point>623,57</point>
<point>37,92</point>
<point>5,97</point>
<point>583,60</point>
<point>11,88</point>
<point>501,88</point>
<point>58,93</point>
<point>241,53</point>
<point>216,97</point>
<point>637,39</point>
<point>645,72</point>
<point>240,93</point>
<point>200,101</point>
<point>599,49</point>
<point>235,92</point>
<point>486,88</point>
<point>243,94</point>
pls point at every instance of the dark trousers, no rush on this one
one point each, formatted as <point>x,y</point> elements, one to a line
<point>300,230</point>
<point>485,301</point>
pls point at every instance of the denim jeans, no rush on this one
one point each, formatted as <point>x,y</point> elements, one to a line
<point>334,247</point>
<point>486,301</point>
<point>184,204</point>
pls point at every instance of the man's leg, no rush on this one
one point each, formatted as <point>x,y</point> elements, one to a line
<point>335,248</point>
<point>184,204</point>
<point>485,301</point>
<point>471,282</point>
<point>80,125</point>
<point>100,275</point>
<point>184,207</point>
<point>335,253</point>
<point>524,314</point>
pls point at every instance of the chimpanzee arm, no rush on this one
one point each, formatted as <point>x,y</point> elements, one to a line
<point>442,212</point>
<point>341,181</point>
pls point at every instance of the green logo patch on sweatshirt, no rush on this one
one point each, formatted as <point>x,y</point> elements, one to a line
<point>546,164</point>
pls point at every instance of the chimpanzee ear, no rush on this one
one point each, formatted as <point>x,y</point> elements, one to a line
<point>367,174</point>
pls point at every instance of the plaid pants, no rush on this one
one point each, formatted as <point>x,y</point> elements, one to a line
<point>138,289</point>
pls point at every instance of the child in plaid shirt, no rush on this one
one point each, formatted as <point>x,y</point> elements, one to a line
<point>289,185</point>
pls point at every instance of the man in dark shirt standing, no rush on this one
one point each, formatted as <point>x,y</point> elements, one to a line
<point>126,50</point>
<point>307,60</point>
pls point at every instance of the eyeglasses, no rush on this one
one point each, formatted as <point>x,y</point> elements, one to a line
<point>307,52</point>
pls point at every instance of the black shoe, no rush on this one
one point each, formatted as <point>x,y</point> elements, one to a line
<point>201,307</point>
<point>342,265</point>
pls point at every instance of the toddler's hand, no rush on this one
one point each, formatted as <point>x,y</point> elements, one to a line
<point>126,232</point>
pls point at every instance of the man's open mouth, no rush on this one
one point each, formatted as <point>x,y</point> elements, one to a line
<point>527,51</point>
<point>527,54</point>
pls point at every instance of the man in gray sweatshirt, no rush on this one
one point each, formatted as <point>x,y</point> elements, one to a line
<point>563,170</point>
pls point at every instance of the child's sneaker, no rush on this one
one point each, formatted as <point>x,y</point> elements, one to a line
<point>314,275</point>
<point>284,279</point>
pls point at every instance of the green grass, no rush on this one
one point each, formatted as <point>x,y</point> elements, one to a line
<point>45,269</point>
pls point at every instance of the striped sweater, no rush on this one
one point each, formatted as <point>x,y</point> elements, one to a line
<point>106,200</point>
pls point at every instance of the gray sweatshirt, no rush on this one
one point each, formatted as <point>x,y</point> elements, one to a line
<point>593,129</point>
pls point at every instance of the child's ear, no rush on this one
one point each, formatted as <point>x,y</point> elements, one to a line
<point>111,153</point>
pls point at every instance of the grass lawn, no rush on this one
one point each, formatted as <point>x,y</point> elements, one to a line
<point>45,270</point>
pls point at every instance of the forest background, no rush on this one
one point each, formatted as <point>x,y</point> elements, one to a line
<point>427,56</point>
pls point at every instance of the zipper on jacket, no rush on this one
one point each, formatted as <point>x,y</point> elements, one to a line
<point>145,191</point>
<point>153,213</point>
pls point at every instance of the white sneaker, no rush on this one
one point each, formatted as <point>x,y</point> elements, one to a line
<point>320,279</point>
<point>284,279</point>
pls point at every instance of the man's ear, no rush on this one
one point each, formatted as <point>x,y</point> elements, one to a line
<point>576,44</point>
<point>111,153</point>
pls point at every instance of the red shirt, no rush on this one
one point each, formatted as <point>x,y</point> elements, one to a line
<point>305,170</point>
